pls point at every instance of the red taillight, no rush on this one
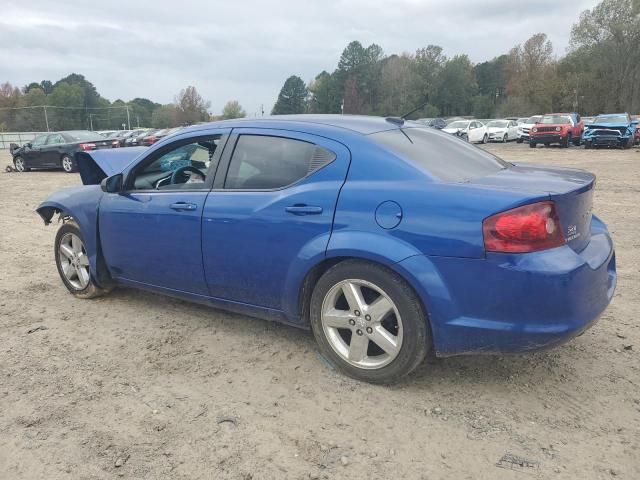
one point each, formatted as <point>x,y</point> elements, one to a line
<point>524,229</point>
<point>88,146</point>
<point>152,140</point>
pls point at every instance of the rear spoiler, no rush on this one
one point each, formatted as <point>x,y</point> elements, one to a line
<point>96,165</point>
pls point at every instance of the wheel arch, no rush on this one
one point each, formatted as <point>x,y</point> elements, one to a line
<point>80,204</point>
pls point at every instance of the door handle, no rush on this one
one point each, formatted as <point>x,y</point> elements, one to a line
<point>183,206</point>
<point>301,209</point>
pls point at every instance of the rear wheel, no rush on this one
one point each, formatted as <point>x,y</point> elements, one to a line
<point>67,164</point>
<point>368,322</point>
<point>73,262</point>
<point>18,162</point>
<point>485,139</point>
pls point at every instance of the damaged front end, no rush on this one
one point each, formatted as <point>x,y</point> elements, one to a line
<point>609,134</point>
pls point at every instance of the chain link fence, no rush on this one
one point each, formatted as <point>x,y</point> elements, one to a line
<point>7,138</point>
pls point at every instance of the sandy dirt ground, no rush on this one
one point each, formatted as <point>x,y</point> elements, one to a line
<point>136,385</point>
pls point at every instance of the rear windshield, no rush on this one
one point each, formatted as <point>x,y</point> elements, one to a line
<point>79,135</point>
<point>443,156</point>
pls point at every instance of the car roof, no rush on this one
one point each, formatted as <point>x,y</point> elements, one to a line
<point>362,124</point>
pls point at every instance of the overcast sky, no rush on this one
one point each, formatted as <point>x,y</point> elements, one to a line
<point>245,49</point>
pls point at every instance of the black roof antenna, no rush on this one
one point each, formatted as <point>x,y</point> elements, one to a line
<point>400,120</point>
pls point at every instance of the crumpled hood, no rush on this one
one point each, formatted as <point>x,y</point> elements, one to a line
<point>96,165</point>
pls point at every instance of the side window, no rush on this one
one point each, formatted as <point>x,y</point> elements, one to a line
<point>181,166</point>
<point>266,163</point>
<point>55,139</point>
<point>39,140</point>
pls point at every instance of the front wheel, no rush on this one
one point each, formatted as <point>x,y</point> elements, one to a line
<point>18,162</point>
<point>73,264</point>
<point>368,322</point>
<point>67,164</point>
<point>519,140</point>
<point>485,139</point>
<point>505,138</point>
<point>532,144</point>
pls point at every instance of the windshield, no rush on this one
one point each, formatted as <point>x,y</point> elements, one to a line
<point>555,120</point>
<point>445,157</point>
<point>616,119</point>
<point>458,124</point>
<point>83,135</point>
<point>534,119</point>
<point>498,123</point>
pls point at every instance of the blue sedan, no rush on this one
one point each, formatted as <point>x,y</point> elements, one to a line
<point>386,238</point>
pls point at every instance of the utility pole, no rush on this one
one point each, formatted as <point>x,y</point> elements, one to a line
<point>128,119</point>
<point>91,121</point>
<point>46,119</point>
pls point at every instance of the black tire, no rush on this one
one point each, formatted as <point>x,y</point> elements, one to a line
<point>547,144</point>
<point>92,290</point>
<point>577,141</point>
<point>629,143</point>
<point>564,143</point>
<point>588,145</point>
<point>20,161</point>
<point>532,144</point>
<point>68,164</point>
<point>519,140</point>
<point>505,139</point>
<point>416,339</point>
<point>485,139</point>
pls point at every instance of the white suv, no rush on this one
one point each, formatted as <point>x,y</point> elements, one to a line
<point>523,128</point>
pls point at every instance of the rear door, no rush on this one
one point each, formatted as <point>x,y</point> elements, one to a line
<point>52,150</point>
<point>273,202</point>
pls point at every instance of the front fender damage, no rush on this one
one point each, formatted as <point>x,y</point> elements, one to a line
<point>80,204</point>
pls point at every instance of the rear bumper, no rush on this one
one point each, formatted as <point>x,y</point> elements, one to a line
<point>509,303</point>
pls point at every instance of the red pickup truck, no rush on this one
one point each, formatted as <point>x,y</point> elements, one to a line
<point>562,128</point>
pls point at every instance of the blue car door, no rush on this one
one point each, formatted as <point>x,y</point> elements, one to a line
<point>151,232</point>
<point>273,202</point>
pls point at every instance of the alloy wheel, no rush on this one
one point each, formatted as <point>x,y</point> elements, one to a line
<point>19,164</point>
<point>74,261</point>
<point>67,164</point>
<point>362,324</point>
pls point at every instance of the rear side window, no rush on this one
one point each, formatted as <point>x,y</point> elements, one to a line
<point>445,157</point>
<point>266,163</point>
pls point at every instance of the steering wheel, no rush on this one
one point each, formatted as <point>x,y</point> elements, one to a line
<point>178,174</point>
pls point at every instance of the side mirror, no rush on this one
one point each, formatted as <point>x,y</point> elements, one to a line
<point>112,184</point>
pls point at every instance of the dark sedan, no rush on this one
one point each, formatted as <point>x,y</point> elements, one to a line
<point>57,150</point>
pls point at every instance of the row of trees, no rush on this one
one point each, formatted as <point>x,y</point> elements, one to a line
<point>600,73</point>
<point>74,103</point>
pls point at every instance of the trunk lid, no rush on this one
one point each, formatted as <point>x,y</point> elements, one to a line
<point>571,190</point>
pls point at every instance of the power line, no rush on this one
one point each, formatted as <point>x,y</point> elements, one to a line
<point>125,107</point>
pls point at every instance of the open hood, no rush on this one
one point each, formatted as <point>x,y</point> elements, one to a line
<point>96,165</point>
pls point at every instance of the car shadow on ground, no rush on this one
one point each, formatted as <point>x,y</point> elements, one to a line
<point>450,372</point>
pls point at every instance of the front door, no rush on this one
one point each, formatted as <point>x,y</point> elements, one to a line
<point>275,204</point>
<point>151,232</point>
<point>52,151</point>
<point>33,155</point>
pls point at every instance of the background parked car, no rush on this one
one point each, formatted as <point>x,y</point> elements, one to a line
<point>57,150</point>
<point>588,120</point>
<point>472,131</point>
<point>522,120</point>
<point>611,130</point>
<point>561,128</point>
<point>133,133</point>
<point>438,123</point>
<point>154,137</point>
<point>525,128</point>
<point>502,130</point>
<point>135,140</point>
